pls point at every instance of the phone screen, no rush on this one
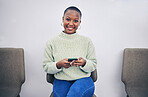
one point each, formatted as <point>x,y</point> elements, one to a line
<point>71,59</point>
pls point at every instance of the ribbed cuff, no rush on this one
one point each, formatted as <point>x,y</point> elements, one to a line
<point>55,69</point>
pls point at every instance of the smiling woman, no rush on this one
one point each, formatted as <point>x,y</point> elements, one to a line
<point>71,20</point>
<point>72,78</point>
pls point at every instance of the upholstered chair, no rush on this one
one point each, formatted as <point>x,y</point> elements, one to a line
<point>135,72</point>
<point>12,72</point>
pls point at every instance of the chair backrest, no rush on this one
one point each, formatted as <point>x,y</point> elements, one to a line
<point>135,72</point>
<point>50,77</point>
<point>12,72</point>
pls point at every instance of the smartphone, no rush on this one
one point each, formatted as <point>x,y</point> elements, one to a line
<point>71,59</point>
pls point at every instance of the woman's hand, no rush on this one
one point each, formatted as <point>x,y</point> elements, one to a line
<point>79,62</point>
<point>63,63</point>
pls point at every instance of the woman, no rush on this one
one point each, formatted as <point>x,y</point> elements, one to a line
<point>72,76</point>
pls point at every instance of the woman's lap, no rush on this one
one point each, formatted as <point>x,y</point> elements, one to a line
<point>83,87</point>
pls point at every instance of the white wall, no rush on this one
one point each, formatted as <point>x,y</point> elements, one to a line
<point>111,24</point>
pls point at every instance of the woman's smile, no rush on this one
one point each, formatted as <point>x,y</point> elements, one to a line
<point>70,28</point>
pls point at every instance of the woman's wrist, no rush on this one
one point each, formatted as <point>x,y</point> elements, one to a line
<point>84,63</point>
<point>58,65</point>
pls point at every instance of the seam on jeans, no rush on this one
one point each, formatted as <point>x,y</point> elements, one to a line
<point>56,93</point>
<point>87,90</point>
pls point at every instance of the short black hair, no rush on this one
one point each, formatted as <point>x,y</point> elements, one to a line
<point>73,8</point>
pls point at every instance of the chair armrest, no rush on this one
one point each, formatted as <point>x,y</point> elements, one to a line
<point>50,78</point>
<point>94,75</point>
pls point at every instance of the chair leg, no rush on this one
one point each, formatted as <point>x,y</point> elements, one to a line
<point>18,96</point>
<point>127,96</point>
<point>51,95</point>
<point>94,95</point>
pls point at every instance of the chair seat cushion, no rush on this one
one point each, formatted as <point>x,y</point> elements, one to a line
<point>5,92</point>
<point>140,92</point>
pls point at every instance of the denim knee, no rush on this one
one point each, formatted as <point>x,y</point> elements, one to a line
<point>89,92</point>
<point>82,88</point>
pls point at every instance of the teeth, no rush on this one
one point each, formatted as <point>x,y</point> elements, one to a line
<point>70,28</point>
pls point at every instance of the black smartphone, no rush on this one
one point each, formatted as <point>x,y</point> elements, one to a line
<point>71,59</point>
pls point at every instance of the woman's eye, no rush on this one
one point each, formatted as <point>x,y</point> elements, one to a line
<point>68,19</point>
<point>75,21</point>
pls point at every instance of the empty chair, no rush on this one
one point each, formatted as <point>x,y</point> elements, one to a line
<point>135,72</point>
<point>50,79</point>
<point>12,74</point>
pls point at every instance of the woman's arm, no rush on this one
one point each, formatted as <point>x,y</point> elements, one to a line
<point>91,60</point>
<point>49,64</point>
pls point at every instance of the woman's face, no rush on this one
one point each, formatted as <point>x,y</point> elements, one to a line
<point>71,21</point>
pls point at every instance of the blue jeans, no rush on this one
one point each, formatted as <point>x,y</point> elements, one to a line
<point>83,87</point>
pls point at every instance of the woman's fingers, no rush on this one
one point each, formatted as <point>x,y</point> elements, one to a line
<point>80,62</point>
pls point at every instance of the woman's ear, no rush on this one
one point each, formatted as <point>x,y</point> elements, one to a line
<point>62,19</point>
<point>80,22</point>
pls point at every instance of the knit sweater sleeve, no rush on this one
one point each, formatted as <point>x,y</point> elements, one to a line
<point>91,60</point>
<point>49,65</point>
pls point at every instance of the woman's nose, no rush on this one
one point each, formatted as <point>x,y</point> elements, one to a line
<point>71,23</point>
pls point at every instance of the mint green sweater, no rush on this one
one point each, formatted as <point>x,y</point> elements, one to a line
<point>69,46</point>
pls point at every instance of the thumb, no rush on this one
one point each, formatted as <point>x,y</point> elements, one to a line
<point>80,58</point>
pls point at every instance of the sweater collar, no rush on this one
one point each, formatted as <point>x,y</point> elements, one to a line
<point>68,36</point>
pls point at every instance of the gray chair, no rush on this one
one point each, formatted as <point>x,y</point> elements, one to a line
<point>135,72</point>
<point>12,74</point>
<point>50,79</point>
